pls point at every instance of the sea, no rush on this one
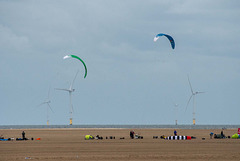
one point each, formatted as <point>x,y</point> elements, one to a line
<point>121,126</point>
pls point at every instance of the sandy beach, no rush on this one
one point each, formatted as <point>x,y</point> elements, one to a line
<point>69,144</point>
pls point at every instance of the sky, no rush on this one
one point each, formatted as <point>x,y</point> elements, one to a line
<point>131,79</point>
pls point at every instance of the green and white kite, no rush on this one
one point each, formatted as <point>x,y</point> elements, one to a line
<point>76,57</point>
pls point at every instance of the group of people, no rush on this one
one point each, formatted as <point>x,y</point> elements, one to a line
<point>23,138</point>
<point>217,136</point>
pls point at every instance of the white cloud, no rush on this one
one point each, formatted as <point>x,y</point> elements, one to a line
<point>11,42</point>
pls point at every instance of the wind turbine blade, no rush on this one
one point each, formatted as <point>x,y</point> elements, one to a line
<point>188,102</point>
<point>190,85</point>
<point>74,79</point>
<point>200,92</point>
<point>62,89</point>
<point>41,104</point>
<point>50,107</point>
<point>49,93</point>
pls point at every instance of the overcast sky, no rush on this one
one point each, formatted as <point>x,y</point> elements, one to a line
<point>131,79</point>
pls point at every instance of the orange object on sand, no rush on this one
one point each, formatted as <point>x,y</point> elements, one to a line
<point>38,139</point>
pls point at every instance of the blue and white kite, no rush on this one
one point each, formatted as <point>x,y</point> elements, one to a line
<point>169,38</point>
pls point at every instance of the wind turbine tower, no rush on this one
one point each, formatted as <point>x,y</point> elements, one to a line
<point>193,97</point>
<point>176,112</point>
<point>48,106</point>
<point>70,90</point>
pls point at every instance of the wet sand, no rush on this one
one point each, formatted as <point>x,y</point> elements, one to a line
<point>69,144</point>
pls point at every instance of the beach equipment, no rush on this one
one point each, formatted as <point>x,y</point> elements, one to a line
<point>238,130</point>
<point>110,137</point>
<point>219,136</point>
<point>236,136</point>
<point>179,138</point>
<point>4,140</point>
<point>138,136</point>
<point>8,139</point>
<point>89,137</point>
<point>163,137</point>
<point>99,137</point>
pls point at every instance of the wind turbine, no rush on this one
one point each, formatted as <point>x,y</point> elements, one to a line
<point>176,112</point>
<point>193,96</point>
<point>70,90</point>
<point>48,106</point>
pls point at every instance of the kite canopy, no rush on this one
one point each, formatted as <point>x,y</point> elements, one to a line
<point>88,137</point>
<point>235,136</point>
<point>169,38</point>
<point>76,57</point>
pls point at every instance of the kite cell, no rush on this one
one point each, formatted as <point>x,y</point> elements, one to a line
<point>169,38</point>
<point>76,57</point>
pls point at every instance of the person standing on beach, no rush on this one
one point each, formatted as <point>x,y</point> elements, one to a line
<point>23,135</point>
<point>211,134</point>
<point>222,135</point>
<point>132,134</point>
<point>175,133</point>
